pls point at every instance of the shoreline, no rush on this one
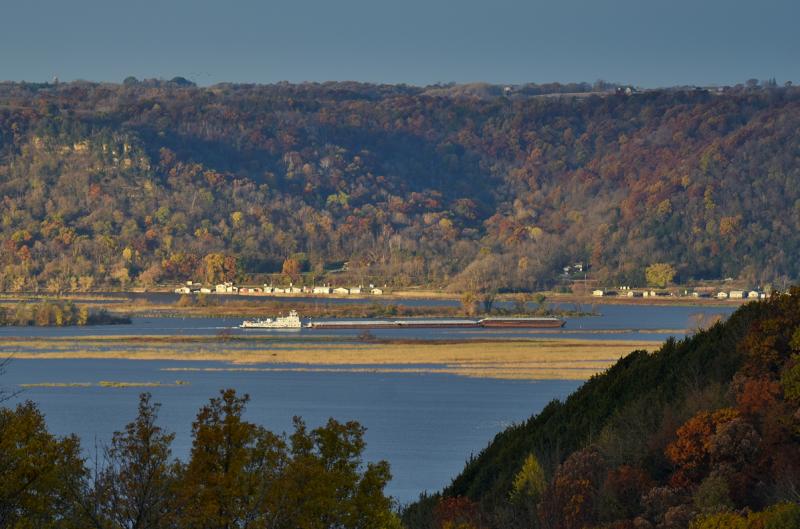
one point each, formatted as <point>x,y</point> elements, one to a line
<point>320,306</point>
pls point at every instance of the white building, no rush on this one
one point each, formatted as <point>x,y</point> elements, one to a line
<point>722,295</point>
<point>376,291</point>
<point>225,288</point>
<point>737,294</point>
<point>598,293</point>
<point>341,291</point>
<point>322,290</point>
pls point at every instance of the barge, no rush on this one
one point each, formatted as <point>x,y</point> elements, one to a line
<point>537,323</point>
<point>532,323</point>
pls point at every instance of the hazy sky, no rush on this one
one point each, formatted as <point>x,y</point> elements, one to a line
<point>642,42</point>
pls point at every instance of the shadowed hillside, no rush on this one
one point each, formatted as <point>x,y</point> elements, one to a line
<point>108,185</point>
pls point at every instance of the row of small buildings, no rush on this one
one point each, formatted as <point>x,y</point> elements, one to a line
<point>732,294</point>
<point>742,294</point>
<point>229,288</point>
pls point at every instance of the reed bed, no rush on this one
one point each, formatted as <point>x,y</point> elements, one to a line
<point>516,359</point>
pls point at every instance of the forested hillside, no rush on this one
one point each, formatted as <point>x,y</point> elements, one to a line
<point>142,183</point>
<point>704,433</point>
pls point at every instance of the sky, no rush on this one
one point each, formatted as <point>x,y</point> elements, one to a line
<point>646,43</point>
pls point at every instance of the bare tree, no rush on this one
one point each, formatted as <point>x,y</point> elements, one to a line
<point>6,394</point>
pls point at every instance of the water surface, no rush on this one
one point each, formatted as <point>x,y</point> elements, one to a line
<point>425,425</point>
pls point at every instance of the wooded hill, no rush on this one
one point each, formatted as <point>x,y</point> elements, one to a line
<point>704,432</point>
<point>106,185</point>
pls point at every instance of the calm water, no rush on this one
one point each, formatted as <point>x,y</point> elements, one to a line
<point>425,425</point>
<point>620,321</point>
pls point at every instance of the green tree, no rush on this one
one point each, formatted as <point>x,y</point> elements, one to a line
<point>529,482</point>
<point>41,475</point>
<point>659,274</point>
<point>326,485</point>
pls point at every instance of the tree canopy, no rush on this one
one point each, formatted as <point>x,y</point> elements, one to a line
<point>107,185</point>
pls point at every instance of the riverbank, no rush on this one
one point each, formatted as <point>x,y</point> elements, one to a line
<point>224,306</point>
<point>538,359</point>
<point>58,313</point>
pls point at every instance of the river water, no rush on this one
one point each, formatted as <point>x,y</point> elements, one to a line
<point>425,424</point>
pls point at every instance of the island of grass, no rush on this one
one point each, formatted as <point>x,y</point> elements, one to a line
<point>56,314</point>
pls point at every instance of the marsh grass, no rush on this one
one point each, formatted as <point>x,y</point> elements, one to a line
<point>105,384</point>
<point>517,359</point>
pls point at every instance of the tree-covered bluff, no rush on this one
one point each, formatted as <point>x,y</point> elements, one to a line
<point>703,433</point>
<point>107,185</point>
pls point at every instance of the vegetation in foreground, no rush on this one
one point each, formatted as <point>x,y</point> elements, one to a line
<point>238,475</point>
<point>704,433</point>
<point>57,314</point>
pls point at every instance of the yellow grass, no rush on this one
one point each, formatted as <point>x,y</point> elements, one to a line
<point>105,384</point>
<point>57,385</point>
<point>518,359</point>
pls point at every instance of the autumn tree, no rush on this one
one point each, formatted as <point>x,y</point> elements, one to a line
<point>458,513</point>
<point>570,500</point>
<point>135,488</point>
<point>213,268</point>
<point>291,268</point>
<point>223,482</point>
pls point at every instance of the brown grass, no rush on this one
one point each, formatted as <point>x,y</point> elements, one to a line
<point>518,359</point>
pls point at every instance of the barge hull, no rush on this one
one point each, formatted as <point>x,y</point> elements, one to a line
<point>523,324</point>
<point>519,323</point>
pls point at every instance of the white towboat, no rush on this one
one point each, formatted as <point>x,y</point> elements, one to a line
<point>292,321</point>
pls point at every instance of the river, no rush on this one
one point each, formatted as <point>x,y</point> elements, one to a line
<point>425,424</point>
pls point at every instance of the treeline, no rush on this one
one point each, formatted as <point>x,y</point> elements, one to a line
<point>56,314</point>
<point>704,433</point>
<point>472,186</point>
<point>238,475</point>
